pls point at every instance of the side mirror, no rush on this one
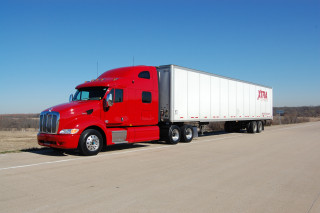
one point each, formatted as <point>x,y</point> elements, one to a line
<point>109,100</point>
<point>71,98</point>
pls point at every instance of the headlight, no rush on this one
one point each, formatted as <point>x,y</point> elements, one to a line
<point>69,131</point>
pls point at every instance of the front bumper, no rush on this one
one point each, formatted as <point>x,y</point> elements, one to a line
<point>58,141</point>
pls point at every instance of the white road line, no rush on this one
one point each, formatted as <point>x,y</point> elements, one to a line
<point>38,164</point>
<point>217,139</point>
<point>82,158</point>
<point>140,150</point>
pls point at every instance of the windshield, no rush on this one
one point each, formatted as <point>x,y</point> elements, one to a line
<point>89,93</point>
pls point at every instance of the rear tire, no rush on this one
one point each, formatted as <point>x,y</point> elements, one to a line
<point>90,142</point>
<point>252,127</point>
<point>186,133</point>
<point>259,126</point>
<point>173,135</point>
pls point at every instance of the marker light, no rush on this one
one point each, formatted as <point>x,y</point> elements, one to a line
<point>69,131</point>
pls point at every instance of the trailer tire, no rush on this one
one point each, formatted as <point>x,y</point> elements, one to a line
<point>252,127</point>
<point>90,142</point>
<point>174,135</point>
<point>186,133</point>
<point>259,126</point>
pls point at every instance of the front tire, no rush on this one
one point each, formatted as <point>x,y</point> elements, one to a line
<point>90,142</point>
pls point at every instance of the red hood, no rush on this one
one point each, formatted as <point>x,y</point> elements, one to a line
<point>76,108</point>
<point>69,112</point>
<point>74,105</point>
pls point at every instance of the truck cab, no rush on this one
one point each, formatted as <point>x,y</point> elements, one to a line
<point>120,106</point>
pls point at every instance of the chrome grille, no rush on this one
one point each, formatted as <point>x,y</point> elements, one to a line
<point>49,122</point>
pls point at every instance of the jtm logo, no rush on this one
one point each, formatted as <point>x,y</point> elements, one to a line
<point>262,95</point>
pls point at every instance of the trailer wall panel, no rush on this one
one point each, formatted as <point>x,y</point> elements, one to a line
<point>232,99</point>
<point>215,97</point>
<point>258,103</point>
<point>224,93</point>
<point>240,100</point>
<point>246,100</point>
<point>180,93</point>
<point>205,84</point>
<point>193,96</point>
<point>252,95</point>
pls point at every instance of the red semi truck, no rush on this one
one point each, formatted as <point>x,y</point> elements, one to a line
<point>147,103</point>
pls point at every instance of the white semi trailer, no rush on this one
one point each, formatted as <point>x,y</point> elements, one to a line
<point>190,96</point>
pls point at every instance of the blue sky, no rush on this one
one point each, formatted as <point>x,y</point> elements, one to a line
<point>47,47</point>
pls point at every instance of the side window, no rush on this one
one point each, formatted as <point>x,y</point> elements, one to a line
<point>146,97</point>
<point>112,92</point>
<point>118,96</point>
<point>144,74</point>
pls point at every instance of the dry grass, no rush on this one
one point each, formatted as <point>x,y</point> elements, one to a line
<point>314,119</point>
<point>19,121</point>
<point>287,119</point>
<point>11,141</point>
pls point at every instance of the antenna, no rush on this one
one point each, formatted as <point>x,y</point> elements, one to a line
<point>133,60</point>
<point>97,68</point>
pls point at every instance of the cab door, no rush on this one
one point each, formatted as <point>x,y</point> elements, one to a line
<point>146,104</point>
<point>116,115</point>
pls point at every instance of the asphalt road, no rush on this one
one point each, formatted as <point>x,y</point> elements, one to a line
<point>274,171</point>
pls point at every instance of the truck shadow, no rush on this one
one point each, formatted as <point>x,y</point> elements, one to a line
<point>211,133</point>
<point>61,153</point>
<point>199,135</point>
<point>219,133</point>
<point>46,151</point>
<point>119,147</point>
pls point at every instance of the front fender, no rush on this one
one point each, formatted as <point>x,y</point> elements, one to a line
<point>83,123</point>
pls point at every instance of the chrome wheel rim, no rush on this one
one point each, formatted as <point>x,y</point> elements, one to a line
<point>175,135</point>
<point>92,143</point>
<point>188,133</point>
